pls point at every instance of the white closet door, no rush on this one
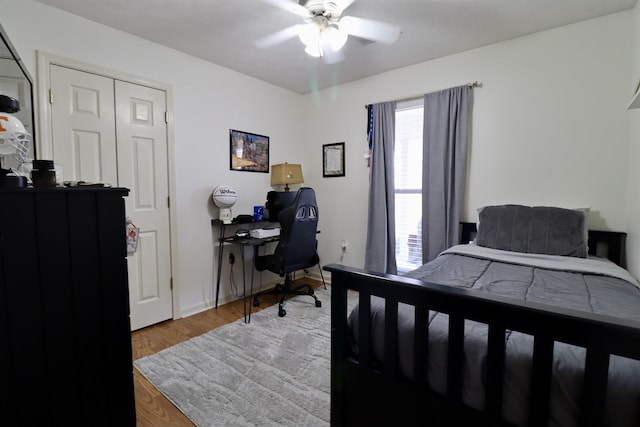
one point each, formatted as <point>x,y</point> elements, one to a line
<point>113,132</point>
<point>143,168</point>
<point>83,125</point>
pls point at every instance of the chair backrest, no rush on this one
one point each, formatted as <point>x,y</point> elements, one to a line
<point>298,226</point>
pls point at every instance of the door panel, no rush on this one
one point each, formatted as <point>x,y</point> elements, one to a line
<point>142,167</point>
<point>83,125</point>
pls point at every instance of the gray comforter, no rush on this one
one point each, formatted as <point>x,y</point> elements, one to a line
<point>592,285</point>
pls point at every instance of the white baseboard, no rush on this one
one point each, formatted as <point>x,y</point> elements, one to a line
<point>313,274</point>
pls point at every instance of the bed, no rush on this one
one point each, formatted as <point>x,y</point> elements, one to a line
<point>525,327</point>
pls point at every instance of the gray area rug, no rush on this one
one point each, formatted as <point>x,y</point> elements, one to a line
<point>273,371</point>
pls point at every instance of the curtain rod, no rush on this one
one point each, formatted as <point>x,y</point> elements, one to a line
<point>409,98</point>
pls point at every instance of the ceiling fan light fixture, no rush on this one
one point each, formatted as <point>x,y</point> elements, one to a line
<point>336,38</point>
<point>313,51</point>
<point>317,37</point>
<point>309,35</point>
<point>312,36</point>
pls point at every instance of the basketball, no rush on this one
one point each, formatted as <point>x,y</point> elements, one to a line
<point>224,196</point>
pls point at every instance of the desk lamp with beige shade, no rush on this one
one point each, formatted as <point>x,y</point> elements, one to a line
<point>285,174</point>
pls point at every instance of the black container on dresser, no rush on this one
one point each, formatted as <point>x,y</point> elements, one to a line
<point>65,338</point>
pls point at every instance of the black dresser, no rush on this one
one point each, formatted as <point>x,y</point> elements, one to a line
<point>65,338</point>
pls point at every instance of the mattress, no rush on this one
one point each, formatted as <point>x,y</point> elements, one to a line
<point>594,285</point>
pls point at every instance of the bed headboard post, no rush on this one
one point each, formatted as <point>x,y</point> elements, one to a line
<point>468,231</point>
<point>609,244</point>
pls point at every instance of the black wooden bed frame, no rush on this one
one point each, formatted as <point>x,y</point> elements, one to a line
<point>364,393</point>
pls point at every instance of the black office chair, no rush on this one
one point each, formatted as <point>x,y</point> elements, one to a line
<point>296,250</point>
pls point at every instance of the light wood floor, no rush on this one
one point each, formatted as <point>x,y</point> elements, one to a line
<point>152,408</point>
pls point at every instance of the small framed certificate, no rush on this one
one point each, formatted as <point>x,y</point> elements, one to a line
<point>333,159</point>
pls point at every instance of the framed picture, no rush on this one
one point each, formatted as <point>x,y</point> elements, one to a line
<point>248,151</point>
<point>333,159</point>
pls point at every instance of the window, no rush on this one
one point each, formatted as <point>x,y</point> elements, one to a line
<point>408,184</point>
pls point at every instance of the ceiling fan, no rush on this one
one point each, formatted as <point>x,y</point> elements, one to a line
<point>325,30</point>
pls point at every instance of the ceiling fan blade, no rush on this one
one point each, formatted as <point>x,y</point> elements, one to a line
<point>341,5</point>
<point>369,29</point>
<point>279,37</point>
<point>290,6</point>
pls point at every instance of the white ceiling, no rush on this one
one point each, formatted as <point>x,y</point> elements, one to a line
<point>225,31</point>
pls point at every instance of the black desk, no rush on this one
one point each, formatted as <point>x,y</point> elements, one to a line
<point>243,242</point>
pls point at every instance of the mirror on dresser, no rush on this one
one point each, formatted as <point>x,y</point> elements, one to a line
<point>16,82</point>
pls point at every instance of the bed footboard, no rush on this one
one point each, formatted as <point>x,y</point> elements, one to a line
<point>363,392</point>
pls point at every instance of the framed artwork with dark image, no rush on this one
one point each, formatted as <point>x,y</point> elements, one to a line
<point>333,159</point>
<point>248,151</point>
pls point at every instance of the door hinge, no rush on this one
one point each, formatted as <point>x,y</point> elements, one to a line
<point>50,96</point>
<point>168,201</point>
<point>171,283</point>
<point>166,117</point>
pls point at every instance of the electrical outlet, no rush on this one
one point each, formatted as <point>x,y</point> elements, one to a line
<point>344,245</point>
<point>232,258</point>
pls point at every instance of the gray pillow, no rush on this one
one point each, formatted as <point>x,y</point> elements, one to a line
<point>539,229</point>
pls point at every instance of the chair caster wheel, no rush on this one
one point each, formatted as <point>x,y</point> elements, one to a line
<point>282,312</point>
<point>318,303</point>
<point>256,303</point>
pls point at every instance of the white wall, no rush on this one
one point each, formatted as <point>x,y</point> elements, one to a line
<point>633,212</point>
<point>208,101</point>
<point>549,127</point>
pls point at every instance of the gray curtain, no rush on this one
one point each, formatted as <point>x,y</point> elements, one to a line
<point>444,168</point>
<point>380,254</point>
